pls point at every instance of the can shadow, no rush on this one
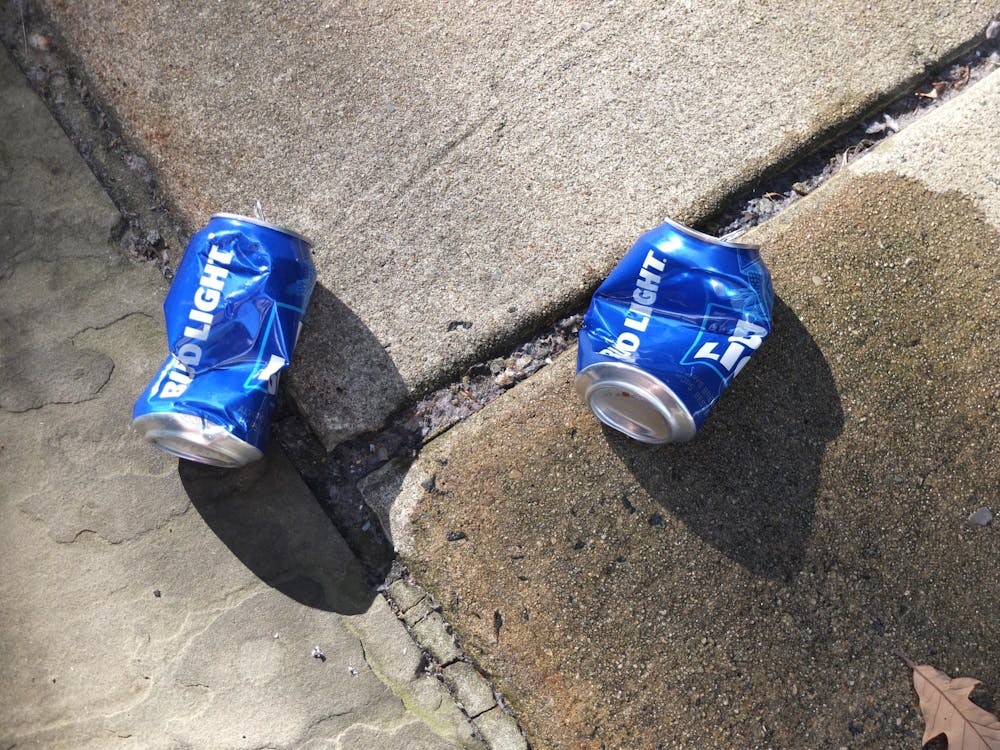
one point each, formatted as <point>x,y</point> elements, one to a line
<point>747,483</point>
<point>271,522</point>
<point>289,537</point>
<point>343,378</point>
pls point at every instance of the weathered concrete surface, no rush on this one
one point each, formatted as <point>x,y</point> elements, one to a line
<point>748,589</point>
<point>142,603</point>
<point>468,172</point>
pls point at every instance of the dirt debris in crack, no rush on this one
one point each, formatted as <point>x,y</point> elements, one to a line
<point>333,476</point>
<point>772,195</point>
<point>484,382</point>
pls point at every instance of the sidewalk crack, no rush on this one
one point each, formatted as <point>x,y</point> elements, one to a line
<point>105,326</point>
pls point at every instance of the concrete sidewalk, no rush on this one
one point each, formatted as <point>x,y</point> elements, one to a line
<point>146,603</point>
<point>750,588</point>
<point>468,172</point>
<point>467,175</point>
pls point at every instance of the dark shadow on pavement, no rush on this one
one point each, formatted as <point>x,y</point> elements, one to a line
<point>287,516</point>
<point>747,483</point>
<point>343,379</point>
<point>342,385</point>
<point>269,520</point>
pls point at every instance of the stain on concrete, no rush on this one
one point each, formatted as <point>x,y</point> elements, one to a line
<point>815,525</point>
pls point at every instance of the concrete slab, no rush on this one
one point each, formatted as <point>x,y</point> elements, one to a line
<point>145,603</point>
<point>750,588</point>
<point>469,173</point>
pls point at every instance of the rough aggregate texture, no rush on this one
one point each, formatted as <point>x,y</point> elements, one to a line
<point>750,588</point>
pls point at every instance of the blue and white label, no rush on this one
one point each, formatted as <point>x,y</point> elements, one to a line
<point>683,308</point>
<point>726,354</point>
<point>233,314</point>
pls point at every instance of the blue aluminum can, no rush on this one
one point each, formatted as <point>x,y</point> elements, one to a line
<point>233,315</point>
<point>669,329</point>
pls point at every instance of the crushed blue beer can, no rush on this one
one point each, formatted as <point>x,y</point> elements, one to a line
<point>233,315</point>
<point>669,329</point>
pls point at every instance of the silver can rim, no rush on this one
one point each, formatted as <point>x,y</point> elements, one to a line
<point>266,225</point>
<point>196,439</point>
<point>709,238</point>
<point>676,423</point>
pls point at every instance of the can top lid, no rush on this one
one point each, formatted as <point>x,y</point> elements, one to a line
<point>196,439</point>
<point>267,224</point>
<point>707,237</point>
<point>634,402</point>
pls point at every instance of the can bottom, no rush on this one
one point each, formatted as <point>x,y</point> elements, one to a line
<point>196,439</point>
<point>634,402</point>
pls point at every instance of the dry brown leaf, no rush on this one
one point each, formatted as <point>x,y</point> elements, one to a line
<point>937,88</point>
<point>947,710</point>
<point>963,79</point>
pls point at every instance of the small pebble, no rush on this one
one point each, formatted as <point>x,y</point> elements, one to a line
<point>800,188</point>
<point>157,593</point>
<point>585,26</point>
<point>506,378</point>
<point>981,517</point>
<point>317,653</point>
<point>42,42</point>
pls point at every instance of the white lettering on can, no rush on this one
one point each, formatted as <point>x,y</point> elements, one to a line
<point>206,300</point>
<point>640,310</point>
<point>746,339</point>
